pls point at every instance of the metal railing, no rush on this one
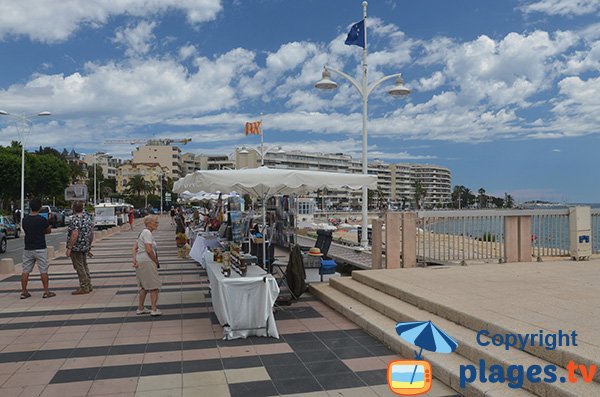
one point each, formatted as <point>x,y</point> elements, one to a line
<point>550,233</point>
<point>455,236</point>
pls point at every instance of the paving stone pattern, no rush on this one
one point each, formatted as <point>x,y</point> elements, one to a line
<point>95,344</point>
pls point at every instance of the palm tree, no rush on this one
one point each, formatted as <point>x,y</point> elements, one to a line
<point>137,185</point>
<point>482,198</point>
<point>420,194</point>
<point>509,202</point>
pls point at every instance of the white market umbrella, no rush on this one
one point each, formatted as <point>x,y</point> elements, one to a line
<point>265,182</point>
<point>189,197</point>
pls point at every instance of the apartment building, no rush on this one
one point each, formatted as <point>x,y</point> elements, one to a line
<point>436,181</point>
<point>167,156</point>
<point>105,161</point>
<point>396,182</point>
<point>192,162</point>
<point>151,172</point>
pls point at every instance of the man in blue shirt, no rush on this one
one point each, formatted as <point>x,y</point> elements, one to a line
<point>35,227</point>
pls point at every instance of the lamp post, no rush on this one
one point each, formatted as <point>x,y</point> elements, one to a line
<point>162,175</point>
<point>95,201</point>
<point>364,89</point>
<point>95,179</point>
<point>24,125</point>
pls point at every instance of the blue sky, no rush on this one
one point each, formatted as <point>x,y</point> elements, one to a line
<point>504,93</point>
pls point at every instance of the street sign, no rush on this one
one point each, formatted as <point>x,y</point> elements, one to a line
<point>168,197</point>
<point>76,193</point>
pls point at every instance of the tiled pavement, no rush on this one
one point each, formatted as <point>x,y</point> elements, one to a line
<point>96,345</point>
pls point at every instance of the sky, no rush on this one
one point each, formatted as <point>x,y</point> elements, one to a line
<point>504,93</point>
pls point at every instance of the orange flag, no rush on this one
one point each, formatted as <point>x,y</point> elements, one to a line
<point>253,128</point>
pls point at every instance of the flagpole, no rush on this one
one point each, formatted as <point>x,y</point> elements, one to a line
<point>365,82</point>
<point>262,153</point>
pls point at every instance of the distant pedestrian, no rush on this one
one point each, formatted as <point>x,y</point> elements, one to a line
<point>17,216</point>
<point>130,215</point>
<point>36,227</point>
<point>179,222</point>
<point>80,235</point>
<point>145,262</point>
<point>172,213</point>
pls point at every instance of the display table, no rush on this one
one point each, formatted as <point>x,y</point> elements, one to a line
<point>243,305</point>
<point>200,246</point>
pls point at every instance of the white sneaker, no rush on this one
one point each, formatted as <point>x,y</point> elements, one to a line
<point>143,311</point>
<point>156,312</point>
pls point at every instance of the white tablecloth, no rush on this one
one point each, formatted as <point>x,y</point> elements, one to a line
<point>200,246</point>
<point>243,305</point>
<point>198,250</point>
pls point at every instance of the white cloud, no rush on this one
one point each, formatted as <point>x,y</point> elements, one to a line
<point>187,51</point>
<point>432,82</point>
<point>563,7</point>
<point>139,91</point>
<point>578,108</point>
<point>584,60</point>
<point>487,83</point>
<point>136,39</point>
<point>41,21</point>
<point>289,56</point>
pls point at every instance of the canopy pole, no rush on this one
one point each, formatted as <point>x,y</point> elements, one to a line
<point>264,244</point>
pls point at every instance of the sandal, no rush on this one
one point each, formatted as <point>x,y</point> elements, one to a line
<point>49,294</point>
<point>25,295</point>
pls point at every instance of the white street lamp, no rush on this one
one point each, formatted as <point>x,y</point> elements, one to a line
<point>24,125</point>
<point>364,89</point>
<point>95,201</point>
<point>162,175</point>
<point>94,164</point>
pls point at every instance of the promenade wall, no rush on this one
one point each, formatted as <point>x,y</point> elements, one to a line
<point>486,236</point>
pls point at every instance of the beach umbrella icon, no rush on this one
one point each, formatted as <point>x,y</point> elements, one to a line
<point>426,335</point>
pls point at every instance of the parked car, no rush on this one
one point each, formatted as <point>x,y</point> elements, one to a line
<point>68,213</point>
<point>2,242</point>
<point>8,227</point>
<point>55,217</point>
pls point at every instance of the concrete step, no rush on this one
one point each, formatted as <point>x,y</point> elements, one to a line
<point>401,311</point>
<point>474,316</point>
<point>445,367</point>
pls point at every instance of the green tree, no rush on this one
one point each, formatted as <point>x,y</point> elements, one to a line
<point>136,185</point>
<point>483,198</point>
<point>10,175</point>
<point>90,179</point>
<point>509,202</point>
<point>48,175</point>
<point>420,194</point>
<point>77,172</point>
<point>49,150</point>
<point>247,201</point>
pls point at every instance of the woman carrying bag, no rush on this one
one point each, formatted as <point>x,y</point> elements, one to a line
<point>145,262</point>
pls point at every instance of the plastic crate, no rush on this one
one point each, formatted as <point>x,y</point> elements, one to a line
<point>311,261</point>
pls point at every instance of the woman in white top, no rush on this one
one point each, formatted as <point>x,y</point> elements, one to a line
<point>145,261</point>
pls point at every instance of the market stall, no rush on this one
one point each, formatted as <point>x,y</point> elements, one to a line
<point>264,182</point>
<point>243,304</point>
<point>243,296</point>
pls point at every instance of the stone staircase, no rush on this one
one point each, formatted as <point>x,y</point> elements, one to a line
<point>376,302</point>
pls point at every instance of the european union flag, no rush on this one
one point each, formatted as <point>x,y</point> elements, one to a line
<point>356,36</point>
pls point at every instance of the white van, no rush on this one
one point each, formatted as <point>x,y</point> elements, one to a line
<point>109,214</point>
